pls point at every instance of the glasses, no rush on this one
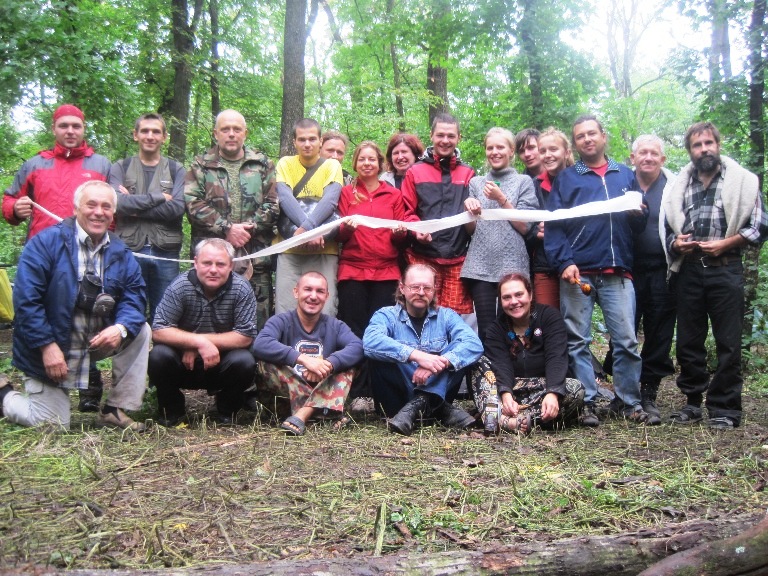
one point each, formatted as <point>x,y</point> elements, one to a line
<point>419,288</point>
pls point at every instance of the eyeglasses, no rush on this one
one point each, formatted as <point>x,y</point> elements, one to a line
<point>419,288</point>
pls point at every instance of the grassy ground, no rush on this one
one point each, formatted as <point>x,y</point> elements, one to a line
<point>201,494</point>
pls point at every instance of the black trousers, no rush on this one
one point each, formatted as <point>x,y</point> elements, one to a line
<point>711,294</point>
<point>227,380</point>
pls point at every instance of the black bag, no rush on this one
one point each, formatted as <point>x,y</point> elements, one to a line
<point>285,225</point>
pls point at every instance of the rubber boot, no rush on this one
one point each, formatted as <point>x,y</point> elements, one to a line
<point>403,421</point>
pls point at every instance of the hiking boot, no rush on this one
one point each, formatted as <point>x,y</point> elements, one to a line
<point>452,416</point>
<point>120,420</point>
<point>588,416</point>
<point>654,415</point>
<point>688,414</point>
<point>403,421</point>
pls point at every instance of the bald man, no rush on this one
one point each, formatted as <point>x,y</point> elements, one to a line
<point>230,193</point>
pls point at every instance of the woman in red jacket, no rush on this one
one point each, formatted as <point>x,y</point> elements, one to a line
<point>368,264</point>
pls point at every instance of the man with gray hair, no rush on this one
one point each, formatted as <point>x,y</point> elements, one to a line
<point>654,301</point>
<point>202,331</point>
<point>79,297</point>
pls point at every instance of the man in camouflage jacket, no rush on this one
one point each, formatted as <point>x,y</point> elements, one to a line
<point>230,193</point>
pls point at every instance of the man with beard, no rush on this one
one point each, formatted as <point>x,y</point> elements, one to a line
<point>714,209</point>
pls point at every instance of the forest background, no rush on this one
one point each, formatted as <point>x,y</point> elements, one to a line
<point>370,68</point>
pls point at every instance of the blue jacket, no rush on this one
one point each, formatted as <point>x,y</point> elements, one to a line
<point>592,242</point>
<point>46,287</point>
<point>390,337</point>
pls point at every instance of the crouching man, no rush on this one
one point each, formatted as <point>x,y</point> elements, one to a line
<point>308,356</point>
<point>203,328</point>
<point>419,353</point>
<point>79,296</point>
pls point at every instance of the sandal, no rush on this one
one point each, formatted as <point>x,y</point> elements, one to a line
<point>522,421</point>
<point>720,423</point>
<point>339,424</point>
<point>688,414</point>
<point>294,426</point>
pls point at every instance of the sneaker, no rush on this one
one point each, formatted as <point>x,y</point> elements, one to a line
<point>654,415</point>
<point>120,420</point>
<point>588,416</point>
<point>362,405</point>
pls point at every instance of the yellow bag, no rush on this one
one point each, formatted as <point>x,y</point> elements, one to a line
<point>6,299</point>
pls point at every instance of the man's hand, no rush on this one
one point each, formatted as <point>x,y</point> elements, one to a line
<point>717,248</point>
<point>540,231</point>
<point>421,375</point>
<point>208,352</point>
<point>508,405</point>
<point>432,362</point>
<point>22,208</point>
<point>54,362</point>
<point>317,244</point>
<point>550,407</point>
<point>106,341</point>
<point>316,369</point>
<point>239,234</point>
<point>188,359</point>
<point>684,245</point>
<point>571,274</point>
<point>123,190</point>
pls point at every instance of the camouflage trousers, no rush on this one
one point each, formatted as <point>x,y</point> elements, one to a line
<point>281,382</point>
<point>261,282</point>
<point>527,392</point>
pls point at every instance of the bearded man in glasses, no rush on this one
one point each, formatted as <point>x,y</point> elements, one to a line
<point>419,353</point>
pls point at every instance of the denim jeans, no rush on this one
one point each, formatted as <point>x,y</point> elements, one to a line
<point>616,297</point>
<point>158,274</point>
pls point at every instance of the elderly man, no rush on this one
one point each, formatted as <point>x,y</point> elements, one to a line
<point>150,206</point>
<point>713,210</point>
<point>309,186</point>
<point>598,251</point>
<point>203,328</point>
<point>230,194</point>
<point>50,179</point>
<point>419,353</point>
<point>308,356</point>
<point>436,187</point>
<point>79,296</point>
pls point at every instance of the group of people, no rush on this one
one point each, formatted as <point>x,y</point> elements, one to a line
<point>364,312</point>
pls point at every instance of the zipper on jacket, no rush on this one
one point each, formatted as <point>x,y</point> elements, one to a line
<point>610,219</point>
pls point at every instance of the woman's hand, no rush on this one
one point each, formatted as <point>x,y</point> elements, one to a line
<point>472,205</point>
<point>400,230</point>
<point>508,405</point>
<point>550,407</point>
<point>493,192</point>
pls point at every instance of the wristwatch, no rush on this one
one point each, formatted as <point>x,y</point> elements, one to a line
<point>123,331</point>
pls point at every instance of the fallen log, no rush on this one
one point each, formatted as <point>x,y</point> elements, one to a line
<point>743,555</point>
<point>624,554</point>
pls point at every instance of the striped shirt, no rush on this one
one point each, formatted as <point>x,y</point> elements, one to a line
<point>186,307</point>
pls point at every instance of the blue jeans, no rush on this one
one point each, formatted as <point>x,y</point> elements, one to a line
<point>616,297</point>
<point>158,274</point>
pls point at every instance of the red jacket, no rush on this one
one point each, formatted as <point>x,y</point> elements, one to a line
<point>50,179</point>
<point>436,188</point>
<point>370,253</point>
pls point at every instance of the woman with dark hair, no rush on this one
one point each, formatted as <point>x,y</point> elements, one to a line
<point>525,364</point>
<point>497,246</point>
<point>368,264</point>
<point>403,150</point>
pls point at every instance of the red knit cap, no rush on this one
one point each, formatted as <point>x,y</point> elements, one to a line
<point>68,110</point>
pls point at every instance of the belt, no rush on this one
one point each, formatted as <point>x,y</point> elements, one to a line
<point>714,262</point>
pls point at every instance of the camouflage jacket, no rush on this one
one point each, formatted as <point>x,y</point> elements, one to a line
<point>208,209</point>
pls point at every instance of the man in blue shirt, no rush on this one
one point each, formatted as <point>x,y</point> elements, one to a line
<point>419,353</point>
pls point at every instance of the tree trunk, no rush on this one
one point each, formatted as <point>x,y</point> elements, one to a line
<point>744,554</point>
<point>528,45</point>
<point>437,74</point>
<point>183,33</point>
<point>396,74</point>
<point>619,555</point>
<point>437,85</point>
<point>720,49</point>
<point>757,127</point>
<point>294,46</point>
<point>213,12</point>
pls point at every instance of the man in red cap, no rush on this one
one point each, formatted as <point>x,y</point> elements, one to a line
<point>50,179</point>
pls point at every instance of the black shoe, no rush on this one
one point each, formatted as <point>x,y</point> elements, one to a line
<point>654,415</point>
<point>169,420</point>
<point>5,387</point>
<point>588,416</point>
<point>403,421</point>
<point>88,403</point>
<point>452,416</point>
<point>223,419</point>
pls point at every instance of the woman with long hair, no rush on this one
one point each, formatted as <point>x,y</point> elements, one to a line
<point>403,150</point>
<point>497,246</point>
<point>521,381</point>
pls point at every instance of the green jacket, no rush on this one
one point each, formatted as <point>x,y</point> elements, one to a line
<point>208,208</point>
